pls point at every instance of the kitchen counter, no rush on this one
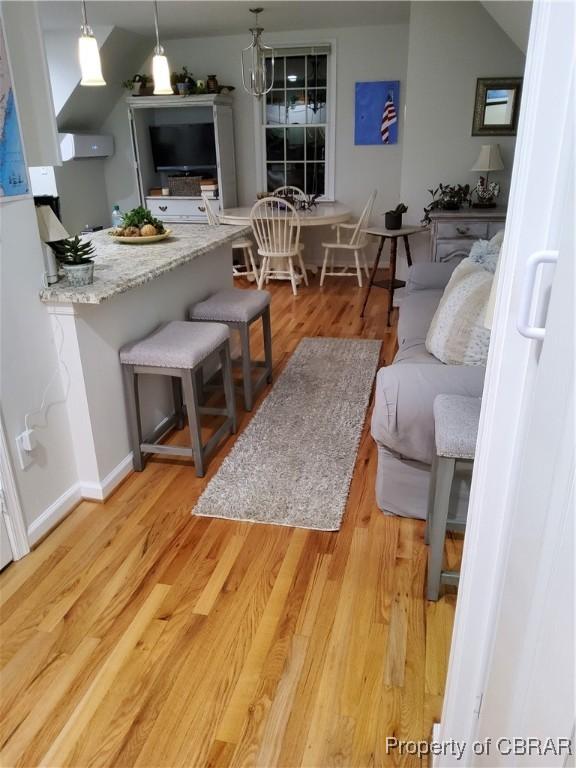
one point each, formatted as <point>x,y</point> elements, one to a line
<point>118,267</point>
<point>148,285</point>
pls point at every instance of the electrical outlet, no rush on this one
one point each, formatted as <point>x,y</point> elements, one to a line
<point>25,443</point>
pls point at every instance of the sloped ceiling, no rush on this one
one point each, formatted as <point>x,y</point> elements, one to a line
<point>86,109</point>
<point>195,18</point>
<point>514,18</point>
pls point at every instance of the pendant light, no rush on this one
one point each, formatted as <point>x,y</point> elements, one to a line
<point>89,54</point>
<point>160,68</point>
<point>253,62</point>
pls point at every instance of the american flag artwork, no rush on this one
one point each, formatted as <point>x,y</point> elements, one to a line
<point>389,117</point>
<point>377,112</point>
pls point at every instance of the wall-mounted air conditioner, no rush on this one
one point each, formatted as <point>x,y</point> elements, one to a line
<point>78,146</point>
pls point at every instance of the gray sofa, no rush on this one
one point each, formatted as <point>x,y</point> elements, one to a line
<point>403,420</point>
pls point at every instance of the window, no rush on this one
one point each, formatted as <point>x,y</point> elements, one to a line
<point>296,121</point>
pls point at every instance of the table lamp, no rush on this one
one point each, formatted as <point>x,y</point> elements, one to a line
<point>51,230</point>
<point>488,160</point>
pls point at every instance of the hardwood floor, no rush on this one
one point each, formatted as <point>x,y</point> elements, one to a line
<point>139,635</point>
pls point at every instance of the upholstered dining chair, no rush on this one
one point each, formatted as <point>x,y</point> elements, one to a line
<point>276,228</point>
<point>243,244</point>
<point>355,244</point>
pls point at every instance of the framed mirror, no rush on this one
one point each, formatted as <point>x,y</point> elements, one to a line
<point>497,105</point>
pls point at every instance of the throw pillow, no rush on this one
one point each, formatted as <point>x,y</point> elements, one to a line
<point>486,252</point>
<point>457,335</point>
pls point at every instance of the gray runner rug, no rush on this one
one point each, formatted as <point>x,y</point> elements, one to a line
<point>293,463</point>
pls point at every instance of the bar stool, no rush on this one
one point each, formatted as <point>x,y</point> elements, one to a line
<point>179,349</point>
<point>238,309</point>
<point>456,430</point>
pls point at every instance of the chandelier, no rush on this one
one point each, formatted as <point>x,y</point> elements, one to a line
<point>253,59</point>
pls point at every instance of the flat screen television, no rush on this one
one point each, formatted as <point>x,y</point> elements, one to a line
<point>183,147</point>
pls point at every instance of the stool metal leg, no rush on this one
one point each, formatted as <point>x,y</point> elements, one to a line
<point>177,397</point>
<point>246,365</point>
<point>133,412</point>
<point>226,363</point>
<point>193,409</point>
<point>267,332</point>
<point>443,485</point>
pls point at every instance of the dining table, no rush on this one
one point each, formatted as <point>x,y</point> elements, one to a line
<point>320,215</point>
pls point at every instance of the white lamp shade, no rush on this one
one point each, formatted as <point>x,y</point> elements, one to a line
<point>50,228</point>
<point>89,56</point>
<point>161,75</point>
<point>489,159</point>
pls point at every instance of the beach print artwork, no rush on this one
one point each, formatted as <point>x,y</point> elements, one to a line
<point>13,173</point>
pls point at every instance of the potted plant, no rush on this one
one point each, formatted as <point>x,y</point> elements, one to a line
<point>75,256</point>
<point>136,84</point>
<point>393,219</point>
<point>183,81</point>
<point>447,197</point>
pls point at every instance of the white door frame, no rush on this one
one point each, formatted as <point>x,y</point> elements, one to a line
<point>489,521</point>
<point>11,508</point>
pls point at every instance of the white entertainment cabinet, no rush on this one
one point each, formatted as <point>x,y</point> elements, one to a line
<point>146,111</point>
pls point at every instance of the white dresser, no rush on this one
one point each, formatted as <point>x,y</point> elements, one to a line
<point>453,232</point>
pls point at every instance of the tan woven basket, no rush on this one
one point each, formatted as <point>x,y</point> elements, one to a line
<point>185,185</point>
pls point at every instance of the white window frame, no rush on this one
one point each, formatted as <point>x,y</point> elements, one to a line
<point>259,122</point>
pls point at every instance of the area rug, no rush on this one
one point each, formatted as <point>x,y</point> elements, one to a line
<point>293,463</point>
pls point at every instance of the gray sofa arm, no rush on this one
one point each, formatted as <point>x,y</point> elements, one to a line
<point>430,274</point>
<point>403,418</point>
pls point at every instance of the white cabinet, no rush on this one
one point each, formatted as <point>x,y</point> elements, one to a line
<point>148,111</point>
<point>180,209</point>
<point>453,232</point>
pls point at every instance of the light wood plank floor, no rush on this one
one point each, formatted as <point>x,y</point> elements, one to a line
<point>138,635</point>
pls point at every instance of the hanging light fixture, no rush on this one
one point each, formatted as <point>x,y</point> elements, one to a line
<point>89,54</point>
<point>254,62</point>
<point>160,68</point>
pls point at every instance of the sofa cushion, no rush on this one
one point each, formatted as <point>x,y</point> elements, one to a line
<point>416,312</point>
<point>457,334</point>
<point>403,417</point>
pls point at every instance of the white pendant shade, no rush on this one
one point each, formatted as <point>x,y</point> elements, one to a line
<point>161,75</point>
<point>89,56</point>
<point>489,159</point>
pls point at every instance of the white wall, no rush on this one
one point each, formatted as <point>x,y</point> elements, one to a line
<point>451,44</point>
<point>362,53</point>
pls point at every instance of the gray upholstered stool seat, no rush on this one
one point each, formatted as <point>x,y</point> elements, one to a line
<point>456,420</point>
<point>231,305</point>
<point>179,350</point>
<point>176,345</point>
<point>240,308</point>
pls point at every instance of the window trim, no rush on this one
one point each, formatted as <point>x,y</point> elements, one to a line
<point>260,126</point>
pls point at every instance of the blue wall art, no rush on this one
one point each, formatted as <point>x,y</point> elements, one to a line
<point>377,112</point>
<point>13,172</point>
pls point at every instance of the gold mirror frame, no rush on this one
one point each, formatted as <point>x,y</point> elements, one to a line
<point>485,84</point>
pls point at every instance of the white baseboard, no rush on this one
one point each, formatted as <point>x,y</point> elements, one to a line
<point>100,491</point>
<point>54,514</point>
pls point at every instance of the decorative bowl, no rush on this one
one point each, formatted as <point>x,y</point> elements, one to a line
<point>142,240</point>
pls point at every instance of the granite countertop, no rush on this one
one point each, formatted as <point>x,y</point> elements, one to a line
<point>119,267</point>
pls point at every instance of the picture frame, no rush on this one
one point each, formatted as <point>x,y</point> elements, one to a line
<point>376,113</point>
<point>496,106</point>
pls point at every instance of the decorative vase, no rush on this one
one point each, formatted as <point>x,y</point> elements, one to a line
<point>393,220</point>
<point>212,84</point>
<point>79,274</point>
<point>136,88</point>
<point>183,88</point>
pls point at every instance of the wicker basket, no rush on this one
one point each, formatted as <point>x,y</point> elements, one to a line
<point>188,186</point>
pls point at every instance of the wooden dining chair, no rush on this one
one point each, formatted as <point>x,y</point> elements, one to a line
<point>244,244</point>
<point>276,227</point>
<point>355,244</point>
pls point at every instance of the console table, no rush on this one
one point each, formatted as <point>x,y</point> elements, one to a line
<point>453,232</point>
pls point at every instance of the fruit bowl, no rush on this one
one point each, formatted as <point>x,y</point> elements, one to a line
<point>141,240</point>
